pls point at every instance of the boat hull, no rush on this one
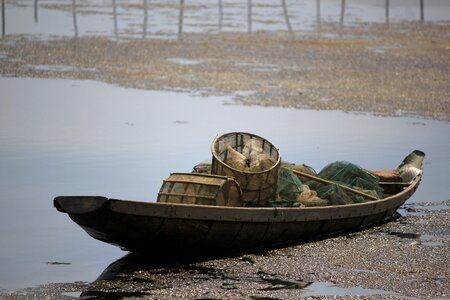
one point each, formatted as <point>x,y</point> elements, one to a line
<point>145,227</point>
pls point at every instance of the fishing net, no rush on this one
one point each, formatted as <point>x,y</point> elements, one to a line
<point>350,175</point>
<point>304,169</point>
<point>347,172</point>
<point>289,187</point>
<point>334,194</point>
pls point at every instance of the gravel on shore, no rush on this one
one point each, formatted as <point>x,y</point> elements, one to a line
<point>407,257</point>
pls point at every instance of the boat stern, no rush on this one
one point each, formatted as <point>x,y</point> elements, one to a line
<point>78,204</point>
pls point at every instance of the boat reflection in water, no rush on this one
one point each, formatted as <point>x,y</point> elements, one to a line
<point>114,281</point>
<point>137,276</point>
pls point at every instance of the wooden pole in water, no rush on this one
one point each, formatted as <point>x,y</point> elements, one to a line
<point>249,15</point>
<point>220,15</point>
<point>321,180</point>
<point>318,11</point>
<point>422,16</point>
<point>180,19</point>
<point>74,14</point>
<point>387,11</point>
<point>144,29</point>
<point>116,32</point>
<point>35,10</point>
<point>286,15</point>
<point>3,19</point>
<point>341,21</point>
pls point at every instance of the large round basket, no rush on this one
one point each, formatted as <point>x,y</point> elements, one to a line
<point>202,189</point>
<point>258,187</point>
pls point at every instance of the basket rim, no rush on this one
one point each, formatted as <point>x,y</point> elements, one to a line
<point>215,154</point>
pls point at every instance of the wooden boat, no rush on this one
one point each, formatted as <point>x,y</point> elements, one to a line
<point>145,227</point>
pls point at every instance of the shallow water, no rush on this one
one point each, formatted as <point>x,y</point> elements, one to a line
<point>67,137</point>
<point>330,289</point>
<point>168,19</point>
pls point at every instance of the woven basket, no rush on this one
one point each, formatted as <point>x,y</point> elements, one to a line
<point>258,188</point>
<point>202,189</point>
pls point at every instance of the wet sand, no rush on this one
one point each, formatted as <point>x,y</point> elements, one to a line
<point>390,70</point>
<point>407,257</point>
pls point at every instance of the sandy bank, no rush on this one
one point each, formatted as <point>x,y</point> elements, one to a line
<point>397,69</point>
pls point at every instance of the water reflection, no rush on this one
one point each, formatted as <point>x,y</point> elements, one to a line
<point>171,19</point>
<point>134,275</point>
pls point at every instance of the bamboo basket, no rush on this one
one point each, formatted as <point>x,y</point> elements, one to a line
<point>258,188</point>
<point>202,189</point>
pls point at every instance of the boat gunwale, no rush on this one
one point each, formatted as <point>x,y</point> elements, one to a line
<point>259,214</point>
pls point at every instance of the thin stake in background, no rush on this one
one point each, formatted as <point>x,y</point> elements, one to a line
<point>74,15</point>
<point>35,11</point>
<point>3,19</point>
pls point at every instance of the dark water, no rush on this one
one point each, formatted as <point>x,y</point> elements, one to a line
<point>168,19</point>
<point>66,137</point>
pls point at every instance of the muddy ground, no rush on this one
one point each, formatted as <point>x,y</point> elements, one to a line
<point>407,257</point>
<point>390,70</point>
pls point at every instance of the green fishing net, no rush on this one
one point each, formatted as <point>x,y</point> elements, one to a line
<point>348,174</point>
<point>288,189</point>
<point>289,185</point>
<point>335,194</point>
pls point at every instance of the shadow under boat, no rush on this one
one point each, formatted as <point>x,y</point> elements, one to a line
<point>136,275</point>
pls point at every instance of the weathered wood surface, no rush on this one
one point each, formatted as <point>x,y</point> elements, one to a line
<point>155,227</point>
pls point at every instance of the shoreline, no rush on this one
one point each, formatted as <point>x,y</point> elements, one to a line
<point>402,69</point>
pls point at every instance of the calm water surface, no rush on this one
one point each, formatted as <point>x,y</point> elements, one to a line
<point>66,137</point>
